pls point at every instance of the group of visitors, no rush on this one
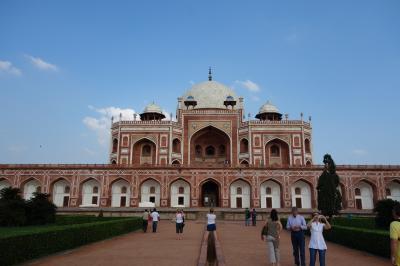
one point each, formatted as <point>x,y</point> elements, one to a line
<point>152,218</point>
<point>297,225</point>
<point>250,215</point>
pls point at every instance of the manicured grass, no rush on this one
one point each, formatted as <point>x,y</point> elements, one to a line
<point>18,244</point>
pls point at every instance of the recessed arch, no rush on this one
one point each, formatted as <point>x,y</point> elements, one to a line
<point>61,192</point>
<point>277,153</point>
<point>176,162</point>
<point>244,162</point>
<point>4,183</point>
<point>120,192</point>
<point>302,194</point>
<point>270,194</point>
<point>90,192</point>
<point>176,145</point>
<point>307,145</point>
<point>180,193</point>
<point>364,194</point>
<point>204,145</point>
<point>114,145</point>
<point>392,190</point>
<point>144,151</point>
<point>240,193</point>
<point>150,191</point>
<point>244,145</point>
<point>210,192</point>
<point>30,186</point>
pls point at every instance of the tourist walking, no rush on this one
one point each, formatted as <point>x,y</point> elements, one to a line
<point>145,220</point>
<point>254,217</point>
<point>155,217</point>
<point>395,236</point>
<point>247,216</point>
<point>271,233</point>
<point>211,217</point>
<point>296,224</point>
<point>317,225</point>
<point>179,223</point>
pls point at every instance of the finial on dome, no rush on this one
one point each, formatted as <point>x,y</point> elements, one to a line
<point>209,74</point>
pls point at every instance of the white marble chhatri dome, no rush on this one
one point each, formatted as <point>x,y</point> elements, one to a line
<point>152,108</point>
<point>210,94</point>
<point>268,107</point>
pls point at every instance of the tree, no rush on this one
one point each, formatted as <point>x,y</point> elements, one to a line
<point>329,197</point>
<point>40,210</point>
<point>12,207</point>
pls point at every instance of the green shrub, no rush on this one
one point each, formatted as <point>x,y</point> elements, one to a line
<point>383,209</point>
<point>12,207</point>
<point>373,241</point>
<point>39,210</point>
<point>80,219</point>
<point>47,240</point>
<point>357,222</point>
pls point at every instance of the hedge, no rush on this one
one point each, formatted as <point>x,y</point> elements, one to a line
<point>357,222</point>
<point>374,241</point>
<point>18,248</point>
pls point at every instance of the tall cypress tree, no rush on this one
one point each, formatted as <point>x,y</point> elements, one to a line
<point>329,197</point>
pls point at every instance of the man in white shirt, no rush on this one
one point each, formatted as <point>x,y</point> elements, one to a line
<point>156,217</point>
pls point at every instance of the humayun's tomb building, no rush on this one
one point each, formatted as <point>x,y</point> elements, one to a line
<point>210,156</point>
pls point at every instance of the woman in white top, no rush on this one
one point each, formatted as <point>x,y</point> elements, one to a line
<point>211,217</point>
<point>180,219</point>
<point>317,225</point>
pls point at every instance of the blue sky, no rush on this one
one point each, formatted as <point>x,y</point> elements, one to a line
<point>67,66</point>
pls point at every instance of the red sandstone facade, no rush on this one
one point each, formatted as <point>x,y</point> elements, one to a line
<point>209,156</point>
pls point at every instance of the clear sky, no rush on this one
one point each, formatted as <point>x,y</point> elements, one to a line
<point>67,66</point>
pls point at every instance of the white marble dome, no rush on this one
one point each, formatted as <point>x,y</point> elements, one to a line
<point>210,94</point>
<point>268,107</point>
<point>152,108</point>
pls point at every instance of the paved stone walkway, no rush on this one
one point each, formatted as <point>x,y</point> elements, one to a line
<point>241,246</point>
<point>137,248</point>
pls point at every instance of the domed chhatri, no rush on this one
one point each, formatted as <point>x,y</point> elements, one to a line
<point>210,95</point>
<point>152,112</point>
<point>268,111</point>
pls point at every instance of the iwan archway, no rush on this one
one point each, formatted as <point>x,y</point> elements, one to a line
<point>210,194</point>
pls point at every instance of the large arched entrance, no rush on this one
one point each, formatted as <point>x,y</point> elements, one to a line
<point>210,194</point>
<point>210,146</point>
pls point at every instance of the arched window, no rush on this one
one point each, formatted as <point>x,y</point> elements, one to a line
<point>123,190</point>
<point>239,190</point>
<point>198,150</point>
<point>95,190</point>
<point>67,189</point>
<point>297,191</point>
<point>388,192</point>
<point>146,150</point>
<point>308,163</point>
<point>275,151</point>
<point>221,149</point>
<point>113,162</point>
<point>176,162</point>
<point>181,190</point>
<point>357,192</point>
<point>307,146</point>
<point>152,190</point>
<point>268,191</point>
<point>210,151</point>
<point>125,141</point>
<point>115,145</point>
<point>176,146</point>
<point>244,146</point>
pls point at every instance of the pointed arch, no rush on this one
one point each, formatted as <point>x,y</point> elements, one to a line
<point>119,190</point>
<point>4,182</point>
<point>240,193</point>
<point>90,191</point>
<point>150,191</point>
<point>367,196</point>
<point>144,151</point>
<point>302,192</point>
<point>210,192</point>
<point>30,186</point>
<point>277,153</point>
<point>271,194</point>
<point>179,192</point>
<point>61,191</point>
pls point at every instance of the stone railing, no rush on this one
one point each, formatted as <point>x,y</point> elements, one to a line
<point>281,122</point>
<point>196,166</point>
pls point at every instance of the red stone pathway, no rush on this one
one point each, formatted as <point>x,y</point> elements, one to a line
<point>243,246</point>
<point>240,245</point>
